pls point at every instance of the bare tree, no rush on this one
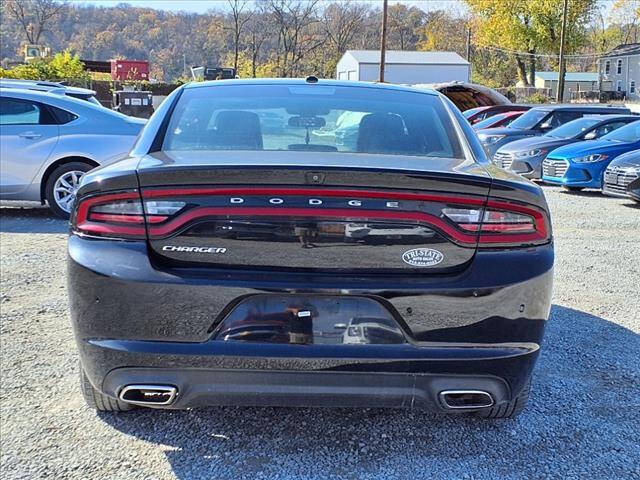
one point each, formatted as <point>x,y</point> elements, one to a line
<point>293,20</point>
<point>240,15</point>
<point>341,23</point>
<point>256,36</point>
<point>34,15</point>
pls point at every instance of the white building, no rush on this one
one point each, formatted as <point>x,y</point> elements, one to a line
<point>574,82</point>
<point>620,71</point>
<point>403,66</point>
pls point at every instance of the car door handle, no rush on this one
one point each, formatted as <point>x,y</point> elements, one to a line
<point>29,135</point>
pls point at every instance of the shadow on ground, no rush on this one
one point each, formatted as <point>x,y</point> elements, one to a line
<point>581,422</point>
<point>29,218</point>
<point>588,193</point>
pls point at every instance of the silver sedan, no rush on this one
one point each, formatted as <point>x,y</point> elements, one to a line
<point>48,141</point>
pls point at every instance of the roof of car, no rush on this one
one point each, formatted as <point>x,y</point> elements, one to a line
<point>614,116</point>
<point>313,82</point>
<point>53,98</point>
<point>577,106</point>
<point>43,86</point>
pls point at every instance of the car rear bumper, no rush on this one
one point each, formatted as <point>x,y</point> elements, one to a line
<point>135,323</point>
<point>206,387</point>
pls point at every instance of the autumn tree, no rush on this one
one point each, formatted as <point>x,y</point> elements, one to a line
<point>531,27</point>
<point>404,24</point>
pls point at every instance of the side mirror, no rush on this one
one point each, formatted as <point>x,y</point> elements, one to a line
<point>590,136</point>
<point>545,126</point>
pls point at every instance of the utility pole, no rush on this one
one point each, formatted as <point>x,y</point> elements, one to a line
<point>383,41</point>
<point>560,92</point>
<point>469,50</point>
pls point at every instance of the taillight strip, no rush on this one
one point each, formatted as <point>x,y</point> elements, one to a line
<point>111,229</point>
<point>114,217</point>
<point>491,238</point>
<point>343,214</point>
<point>177,192</point>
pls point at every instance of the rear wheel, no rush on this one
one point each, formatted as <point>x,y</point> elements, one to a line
<point>62,185</point>
<point>574,189</point>
<point>98,400</point>
<point>510,409</point>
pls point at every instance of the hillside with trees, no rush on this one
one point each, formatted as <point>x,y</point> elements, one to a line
<point>510,39</point>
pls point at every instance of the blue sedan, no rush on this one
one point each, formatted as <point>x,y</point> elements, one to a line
<point>582,165</point>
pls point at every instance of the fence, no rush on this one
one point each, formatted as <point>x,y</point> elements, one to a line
<point>525,94</point>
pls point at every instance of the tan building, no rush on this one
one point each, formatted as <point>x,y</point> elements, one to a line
<point>574,82</point>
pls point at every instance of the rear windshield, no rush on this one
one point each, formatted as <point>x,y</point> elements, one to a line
<point>628,133</point>
<point>529,119</point>
<point>472,111</point>
<point>487,122</point>
<point>312,118</point>
<point>574,127</point>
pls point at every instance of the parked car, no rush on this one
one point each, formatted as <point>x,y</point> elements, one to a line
<point>633,190</point>
<point>48,141</point>
<point>146,242</point>
<point>51,87</point>
<point>582,165</point>
<point>621,173</point>
<point>538,121</point>
<point>499,120</point>
<point>525,156</point>
<point>477,114</point>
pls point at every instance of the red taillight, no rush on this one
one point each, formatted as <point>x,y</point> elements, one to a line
<point>502,223</point>
<point>121,215</point>
<point>112,215</point>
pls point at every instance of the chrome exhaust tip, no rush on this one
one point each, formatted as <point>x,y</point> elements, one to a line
<point>465,399</point>
<point>148,395</point>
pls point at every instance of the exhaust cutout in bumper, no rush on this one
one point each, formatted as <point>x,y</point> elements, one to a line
<point>465,399</point>
<point>149,395</point>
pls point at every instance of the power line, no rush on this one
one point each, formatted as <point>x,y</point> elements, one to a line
<point>542,55</point>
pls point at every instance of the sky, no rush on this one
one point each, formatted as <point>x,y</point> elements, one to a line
<point>201,6</point>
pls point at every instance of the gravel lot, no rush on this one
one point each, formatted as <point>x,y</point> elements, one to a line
<point>583,420</point>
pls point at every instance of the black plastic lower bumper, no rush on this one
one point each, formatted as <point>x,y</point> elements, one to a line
<point>199,387</point>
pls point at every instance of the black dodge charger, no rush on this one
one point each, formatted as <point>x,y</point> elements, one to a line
<point>225,263</point>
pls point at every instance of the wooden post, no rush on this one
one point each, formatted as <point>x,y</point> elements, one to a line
<point>560,92</point>
<point>383,41</point>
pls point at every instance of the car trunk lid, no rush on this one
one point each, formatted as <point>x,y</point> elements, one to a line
<point>270,210</point>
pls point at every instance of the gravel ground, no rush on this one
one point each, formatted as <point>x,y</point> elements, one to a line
<point>582,421</point>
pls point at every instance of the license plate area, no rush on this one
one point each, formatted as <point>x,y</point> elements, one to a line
<point>610,177</point>
<point>311,319</point>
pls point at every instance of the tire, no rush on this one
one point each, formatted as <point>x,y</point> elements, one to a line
<point>574,189</point>
<point>98,400</point>
<point>49,193</point>
<point>510,409</point>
